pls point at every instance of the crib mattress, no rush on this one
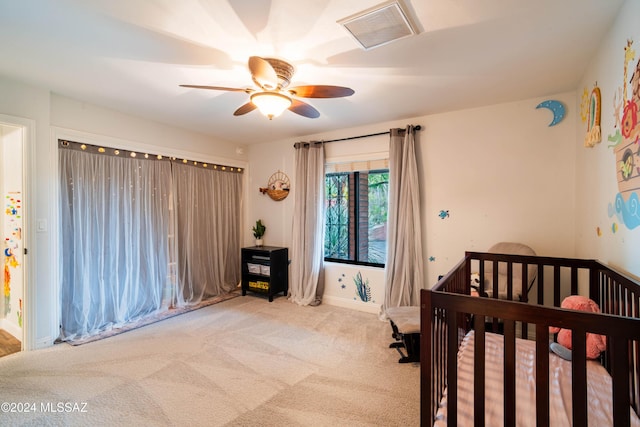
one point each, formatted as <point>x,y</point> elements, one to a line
<point>600,411</point>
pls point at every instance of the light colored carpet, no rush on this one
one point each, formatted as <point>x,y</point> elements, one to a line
<point>242,362</point>
<point>153,318</point>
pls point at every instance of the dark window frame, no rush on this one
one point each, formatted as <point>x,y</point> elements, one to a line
<point>357,227</point>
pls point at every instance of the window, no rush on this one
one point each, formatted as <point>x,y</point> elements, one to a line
<point>356,216</point>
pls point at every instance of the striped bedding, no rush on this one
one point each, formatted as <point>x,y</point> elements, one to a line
<point>598,383</point>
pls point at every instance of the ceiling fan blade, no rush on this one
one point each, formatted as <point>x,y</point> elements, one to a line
<point>321,91</point>
<point>229,89</point>
<point>263,73</point>
<point>304,109</point>
<point>246,108</point>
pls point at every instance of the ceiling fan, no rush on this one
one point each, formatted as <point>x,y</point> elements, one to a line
<point>273,95</point>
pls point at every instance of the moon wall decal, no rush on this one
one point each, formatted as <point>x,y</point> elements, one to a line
<point>556,108</point>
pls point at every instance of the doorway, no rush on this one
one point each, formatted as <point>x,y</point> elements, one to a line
<point>12,144</point>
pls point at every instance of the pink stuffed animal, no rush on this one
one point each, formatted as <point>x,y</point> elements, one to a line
<point>595,343</point>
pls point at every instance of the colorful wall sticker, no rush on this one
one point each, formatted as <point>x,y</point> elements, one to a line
<point>12,243</point>
<point>625,143</point>
<point>362,287</point>
<point>594,134</point>
<point>9,262</point>
<point>556,107</point>
<point>20,313</point>
<point>584,105</point>
<point>363,290</point>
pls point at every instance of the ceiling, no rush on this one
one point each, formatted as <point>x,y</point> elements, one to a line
<point>132,55</point>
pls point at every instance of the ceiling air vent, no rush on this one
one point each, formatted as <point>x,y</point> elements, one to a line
<point>379,25</point>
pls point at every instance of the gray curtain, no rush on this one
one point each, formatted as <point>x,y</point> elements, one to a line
<point>404,272</point>
<point>207,235</point>
<point>139,235</point>
<point>307,249</point>
<point>115,220</point>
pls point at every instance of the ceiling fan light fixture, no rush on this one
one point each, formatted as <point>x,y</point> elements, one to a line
<point>271,104</point>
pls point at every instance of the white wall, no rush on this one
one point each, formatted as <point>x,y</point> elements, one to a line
<point>30,107</point>
<point>115,127</point>
<point>596,183</point>
<point>265,160</point>
<point>501,172</point>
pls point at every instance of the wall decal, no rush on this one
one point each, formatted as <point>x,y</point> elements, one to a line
<point>12,243</point>
<point>627,211</point>
<point>616,138</point>
<point>556,107</point>
<point>626,143</point>
<point>594,135</point>
<point>443,214</point>
<point>363,290</point>
<point>9,261</point>
<point>432,259</point>
<point>598,232</point>
<point>360,290</point>
<point>584,105</point>
<point>20,313</point>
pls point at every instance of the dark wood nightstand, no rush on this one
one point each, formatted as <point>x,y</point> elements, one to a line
<point>265,270</point>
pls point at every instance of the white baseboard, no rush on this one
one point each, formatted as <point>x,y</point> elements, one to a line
<point>43,343</point>
<point>367,307</point>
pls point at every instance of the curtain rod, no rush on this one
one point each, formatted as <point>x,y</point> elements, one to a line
<point>418,127</point>
<point>109,151</point>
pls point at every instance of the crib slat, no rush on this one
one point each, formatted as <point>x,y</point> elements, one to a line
<point>634,357</point>
<point>542,375</point>
<point>440,358</point>
<point>510,281</point>
<point>481,289</point>
<point>509,373</point>
<point>579,377</point>
<point>556,285</point>
<point>427,317</point>
<point>479,371</point>
<point>540,279</point>
<point>524,297</point>
<point>452,371</point>
<point>620,379</point>
<point>495,280</point>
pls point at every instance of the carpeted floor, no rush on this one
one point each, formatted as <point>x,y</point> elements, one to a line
<point>153,319</point>
<point>242,362</point>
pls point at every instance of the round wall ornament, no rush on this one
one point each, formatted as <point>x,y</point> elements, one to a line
<point>277,187</point>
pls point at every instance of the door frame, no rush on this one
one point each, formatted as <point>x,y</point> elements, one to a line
<point>28,303</point>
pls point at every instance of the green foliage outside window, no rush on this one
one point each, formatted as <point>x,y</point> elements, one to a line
<point>367,242</point>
